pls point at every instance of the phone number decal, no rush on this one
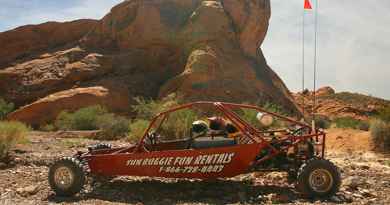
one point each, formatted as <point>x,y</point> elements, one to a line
<point>193,169</point>
<point>210,163</point>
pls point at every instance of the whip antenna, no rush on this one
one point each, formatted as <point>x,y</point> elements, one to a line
<point>303,61</point>
<point>307,6</point>
<point>315,64</point>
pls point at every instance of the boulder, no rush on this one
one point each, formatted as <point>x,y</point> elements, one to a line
<point>28,191</point>
<point>202,59</point>
<point>325,91</point>
<point>199,50</point>
<point>47,109</point>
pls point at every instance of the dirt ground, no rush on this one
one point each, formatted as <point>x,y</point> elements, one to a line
<point>366,178</point>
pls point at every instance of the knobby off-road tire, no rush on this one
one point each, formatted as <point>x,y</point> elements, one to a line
<point>67,176</point>
<point>318,178</point>
<point>100,146</point>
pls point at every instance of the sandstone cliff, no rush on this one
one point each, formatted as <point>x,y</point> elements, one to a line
<point>200,50</point>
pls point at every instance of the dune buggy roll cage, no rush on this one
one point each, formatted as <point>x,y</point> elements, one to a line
<point>252,134</point>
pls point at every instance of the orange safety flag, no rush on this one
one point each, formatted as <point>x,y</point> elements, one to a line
<point>307,5</point>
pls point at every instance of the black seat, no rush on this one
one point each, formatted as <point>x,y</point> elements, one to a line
<point>208,142</point>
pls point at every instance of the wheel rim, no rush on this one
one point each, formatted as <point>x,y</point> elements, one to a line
<point>63,177</point>
<point>321,180</point>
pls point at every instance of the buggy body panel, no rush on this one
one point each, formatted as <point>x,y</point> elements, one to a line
<point>200,164</point>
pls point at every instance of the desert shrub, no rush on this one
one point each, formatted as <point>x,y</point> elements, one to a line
<point>275,108</point>
<point>94,118</point>
<point>146,109</point>
<point>5,108</point>
<point>113,127</point>
<point>250,115</point>
<point>387,163</point>
<point>48,128</point>
<point>178,124</point>
<point>10,134</point>
<point>322,122</point>
<point>380,132</point>
<point>137,129</point>
<point>364,125</point>
<point>349,122</point>
<point>384,114</point>
<point>83,119</point>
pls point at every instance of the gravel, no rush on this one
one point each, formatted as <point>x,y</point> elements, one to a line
<point>366,180</point>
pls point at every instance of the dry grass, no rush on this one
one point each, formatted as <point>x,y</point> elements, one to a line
<point>5,108</point>
<point>11,133</point>
<point>380,132</point>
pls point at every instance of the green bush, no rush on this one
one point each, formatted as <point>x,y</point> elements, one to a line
<point>322,122</point>
<point>146,109</point>
<point>380,132</point>
<point>11,133</point>
<point>275,108</point>
<point>178,124</point>
<point>250,115</point>
<point>5,108</point>
<point>384,114</point>
<point>48,128</point>
<point>93,118</point>
<point>137,129</point>
<point>349,122</point>
<point>365,126</point>
<point>113,127</point>
<point>83,119</point>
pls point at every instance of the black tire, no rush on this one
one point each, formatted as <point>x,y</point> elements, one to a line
<point>74,168</point>
<point>100,146</point>
<point>292,176</point>
<point>318,178</point>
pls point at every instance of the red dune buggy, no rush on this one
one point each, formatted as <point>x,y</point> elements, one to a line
<point>209,151</point>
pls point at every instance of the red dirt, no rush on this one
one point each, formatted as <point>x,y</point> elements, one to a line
<point>349,140</point>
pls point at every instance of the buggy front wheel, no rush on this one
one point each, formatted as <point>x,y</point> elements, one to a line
<point>67,177</point>
<point>318,178</point>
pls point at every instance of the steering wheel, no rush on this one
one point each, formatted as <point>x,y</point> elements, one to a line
<point>151,140</point>
<point>153,137</point>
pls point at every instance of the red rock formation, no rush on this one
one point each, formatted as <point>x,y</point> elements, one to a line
<point>46,109</point>
<point>337,105</point>
<point>50,73</point>
<point>27,42</point>
<point>200,50</point>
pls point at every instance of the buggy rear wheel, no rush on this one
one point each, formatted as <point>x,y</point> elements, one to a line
<point>318,178</point>
<point>66,177</point>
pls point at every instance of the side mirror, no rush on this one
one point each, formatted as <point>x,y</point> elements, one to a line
<point>265,119</point>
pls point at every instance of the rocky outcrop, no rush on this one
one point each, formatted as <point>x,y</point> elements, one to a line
<point>200,50</point>
<point>28,42</point>
<point>324,91</point>
<point>50,73</point>
<point>339,105</point>
<point>45,110</point>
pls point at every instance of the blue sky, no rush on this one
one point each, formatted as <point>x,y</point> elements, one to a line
<point>353,49</point>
